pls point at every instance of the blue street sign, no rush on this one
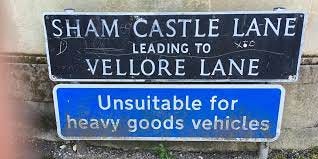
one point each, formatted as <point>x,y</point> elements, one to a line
<point>249,113</point>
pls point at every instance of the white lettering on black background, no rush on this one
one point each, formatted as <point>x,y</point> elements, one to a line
<point>203,46</point>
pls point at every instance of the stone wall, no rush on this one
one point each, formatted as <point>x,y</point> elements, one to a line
<point>28,28</point>
<point>30,83</point>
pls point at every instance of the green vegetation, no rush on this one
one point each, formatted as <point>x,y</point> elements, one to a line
<point>290,154</point>
<point>279,156</point>
<point>163,152</point>
<point>314,153</point>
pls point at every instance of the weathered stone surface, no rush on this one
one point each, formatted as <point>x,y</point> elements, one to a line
<point>311,35</point>
<point>260,5</point>
<point>296,139</point>
<point>308,74</point>
<point>301,106</point>
<point>30,82</point>
<point>28,33</point>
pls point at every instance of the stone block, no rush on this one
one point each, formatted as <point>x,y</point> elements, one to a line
<point>260,5</point>
<point>301,109</point>
<point>298,139</point>
<point>27,29</point>
<point>30,82</point>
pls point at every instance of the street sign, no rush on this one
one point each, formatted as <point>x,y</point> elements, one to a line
<point>251,113</point>
<point>174,47</point>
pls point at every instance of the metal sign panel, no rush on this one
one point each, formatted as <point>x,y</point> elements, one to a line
<point>250,113</point>
<point>174,47</point>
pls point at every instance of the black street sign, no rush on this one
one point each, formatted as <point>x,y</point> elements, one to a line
<point>174,47</point>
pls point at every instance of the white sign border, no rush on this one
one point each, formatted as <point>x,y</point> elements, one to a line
<point>293,78</point>
<point>177,86</point>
